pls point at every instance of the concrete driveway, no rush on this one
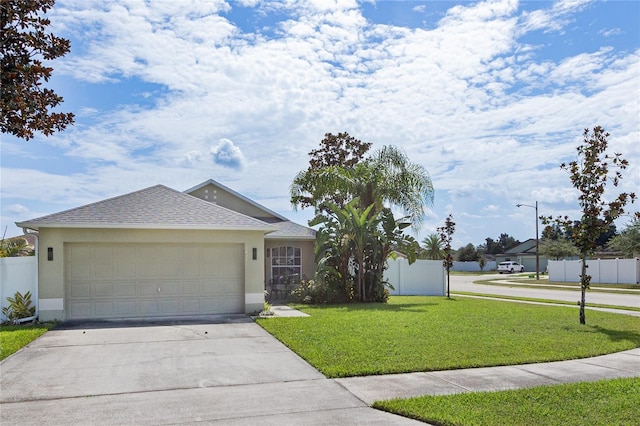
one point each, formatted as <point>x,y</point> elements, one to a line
<point>223,370</point>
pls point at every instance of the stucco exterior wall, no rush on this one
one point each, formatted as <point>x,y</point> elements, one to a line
<point>51,273</point>
<point>225,199</point>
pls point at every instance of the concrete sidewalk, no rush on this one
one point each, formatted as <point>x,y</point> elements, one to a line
<point>376,388</point>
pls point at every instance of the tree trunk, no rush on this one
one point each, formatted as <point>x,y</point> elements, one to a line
<point>361,279</point>
<point>583,287</point>
<point>448,281</point>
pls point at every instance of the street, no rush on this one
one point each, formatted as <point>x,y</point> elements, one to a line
<point>464,283</point>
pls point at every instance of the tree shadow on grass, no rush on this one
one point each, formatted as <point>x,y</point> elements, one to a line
<point>385,307</point>
<point>619,335</point>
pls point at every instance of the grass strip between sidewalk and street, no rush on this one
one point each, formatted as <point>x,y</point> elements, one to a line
<point>563,286</point>
<point>15,337</point>
<point>418,333</point>
<point>553,301</point>
<point>606,402</point>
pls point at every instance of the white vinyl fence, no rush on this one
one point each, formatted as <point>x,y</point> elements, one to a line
<point>18,274</point>
<point>421,278</point>
<point>473,266</point>
<point>608,271</point>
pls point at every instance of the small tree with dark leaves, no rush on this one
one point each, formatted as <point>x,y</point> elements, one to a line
<point>446,235</point>
<point>590,174</point>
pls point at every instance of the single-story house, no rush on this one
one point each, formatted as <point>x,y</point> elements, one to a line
<point>525,254</point>
<point>162,252</point>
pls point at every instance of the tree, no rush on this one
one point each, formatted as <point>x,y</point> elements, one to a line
<point>338,150</point>
<point>446,235</point>
<point>590,174</point>
<point>25,43</point>
<point>359,228</point>
<point>467,253</point>
<point>341,150</point>
<point>558,249</point>
<point>553,231</point>
<point>482,261</point>
<point>432,247</point>
<point>506,242</point>
<point>387,177</point>
<point>354,240</point>
<point>384,179</point>
<point>628,241</point>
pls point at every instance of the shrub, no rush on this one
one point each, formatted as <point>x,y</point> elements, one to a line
<point>19,307</point>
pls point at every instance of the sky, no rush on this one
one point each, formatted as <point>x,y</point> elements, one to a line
<point>489,96</point>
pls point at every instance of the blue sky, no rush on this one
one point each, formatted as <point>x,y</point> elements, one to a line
<point>490,97</point>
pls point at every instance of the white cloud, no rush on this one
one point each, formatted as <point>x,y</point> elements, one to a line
<point>488,115</point>
<point>227,154</point>
<point>17,209</point>
<point>191,158</point>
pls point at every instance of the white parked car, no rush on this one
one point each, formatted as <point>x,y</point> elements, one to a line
<point>510,267</point>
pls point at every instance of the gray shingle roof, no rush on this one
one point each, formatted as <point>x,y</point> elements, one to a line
<point>156,207</point>
<point>288,229</point>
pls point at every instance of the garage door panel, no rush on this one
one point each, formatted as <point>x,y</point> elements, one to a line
<point>170,307</point>
<point>191,287</point>
<point>171,270</point>
<point>80,268</point>
<point>126,308</point>
<point>102,262</point>
<point>124,262</point>
<point>138,280</point>
<point>148,308</point>
<point>79,290</point>
<point>170,289</point>
<point>125,289</point>
<point>191,306</point>
<point>146,288</point>
<point>103,289</point>
<point>103,309</point>
<point>79,310</point>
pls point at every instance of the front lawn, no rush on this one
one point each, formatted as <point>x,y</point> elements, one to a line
<point>607,402</point>
<point>14,337</point>
<point>434,333</point>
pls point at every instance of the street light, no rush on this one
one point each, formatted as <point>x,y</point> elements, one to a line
<point>537,251</point>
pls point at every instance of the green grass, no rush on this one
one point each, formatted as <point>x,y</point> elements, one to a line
<point>557,302</point>
<point>14,337</point>
<point>607,402</point>
<point>431,333</point>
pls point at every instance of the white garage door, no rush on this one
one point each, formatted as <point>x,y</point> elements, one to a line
<point>145,280</point>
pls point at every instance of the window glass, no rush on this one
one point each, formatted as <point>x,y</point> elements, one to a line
<point>286,264</point>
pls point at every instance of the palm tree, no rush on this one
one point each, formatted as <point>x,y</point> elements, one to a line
<point>433,247</point>
<point>15,247</point>
<point>387,177</point>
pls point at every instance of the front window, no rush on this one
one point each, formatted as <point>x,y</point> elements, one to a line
<point>286,264</point>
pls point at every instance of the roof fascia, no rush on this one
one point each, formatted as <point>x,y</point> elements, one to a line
<point>27,225</point>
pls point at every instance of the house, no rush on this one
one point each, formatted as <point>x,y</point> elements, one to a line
<point>525,254</point>
<point>162,252</point>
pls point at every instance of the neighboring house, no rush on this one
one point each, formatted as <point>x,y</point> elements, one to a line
<point>525,254</point>
<point>161,252</point>
<point>26,244</point>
